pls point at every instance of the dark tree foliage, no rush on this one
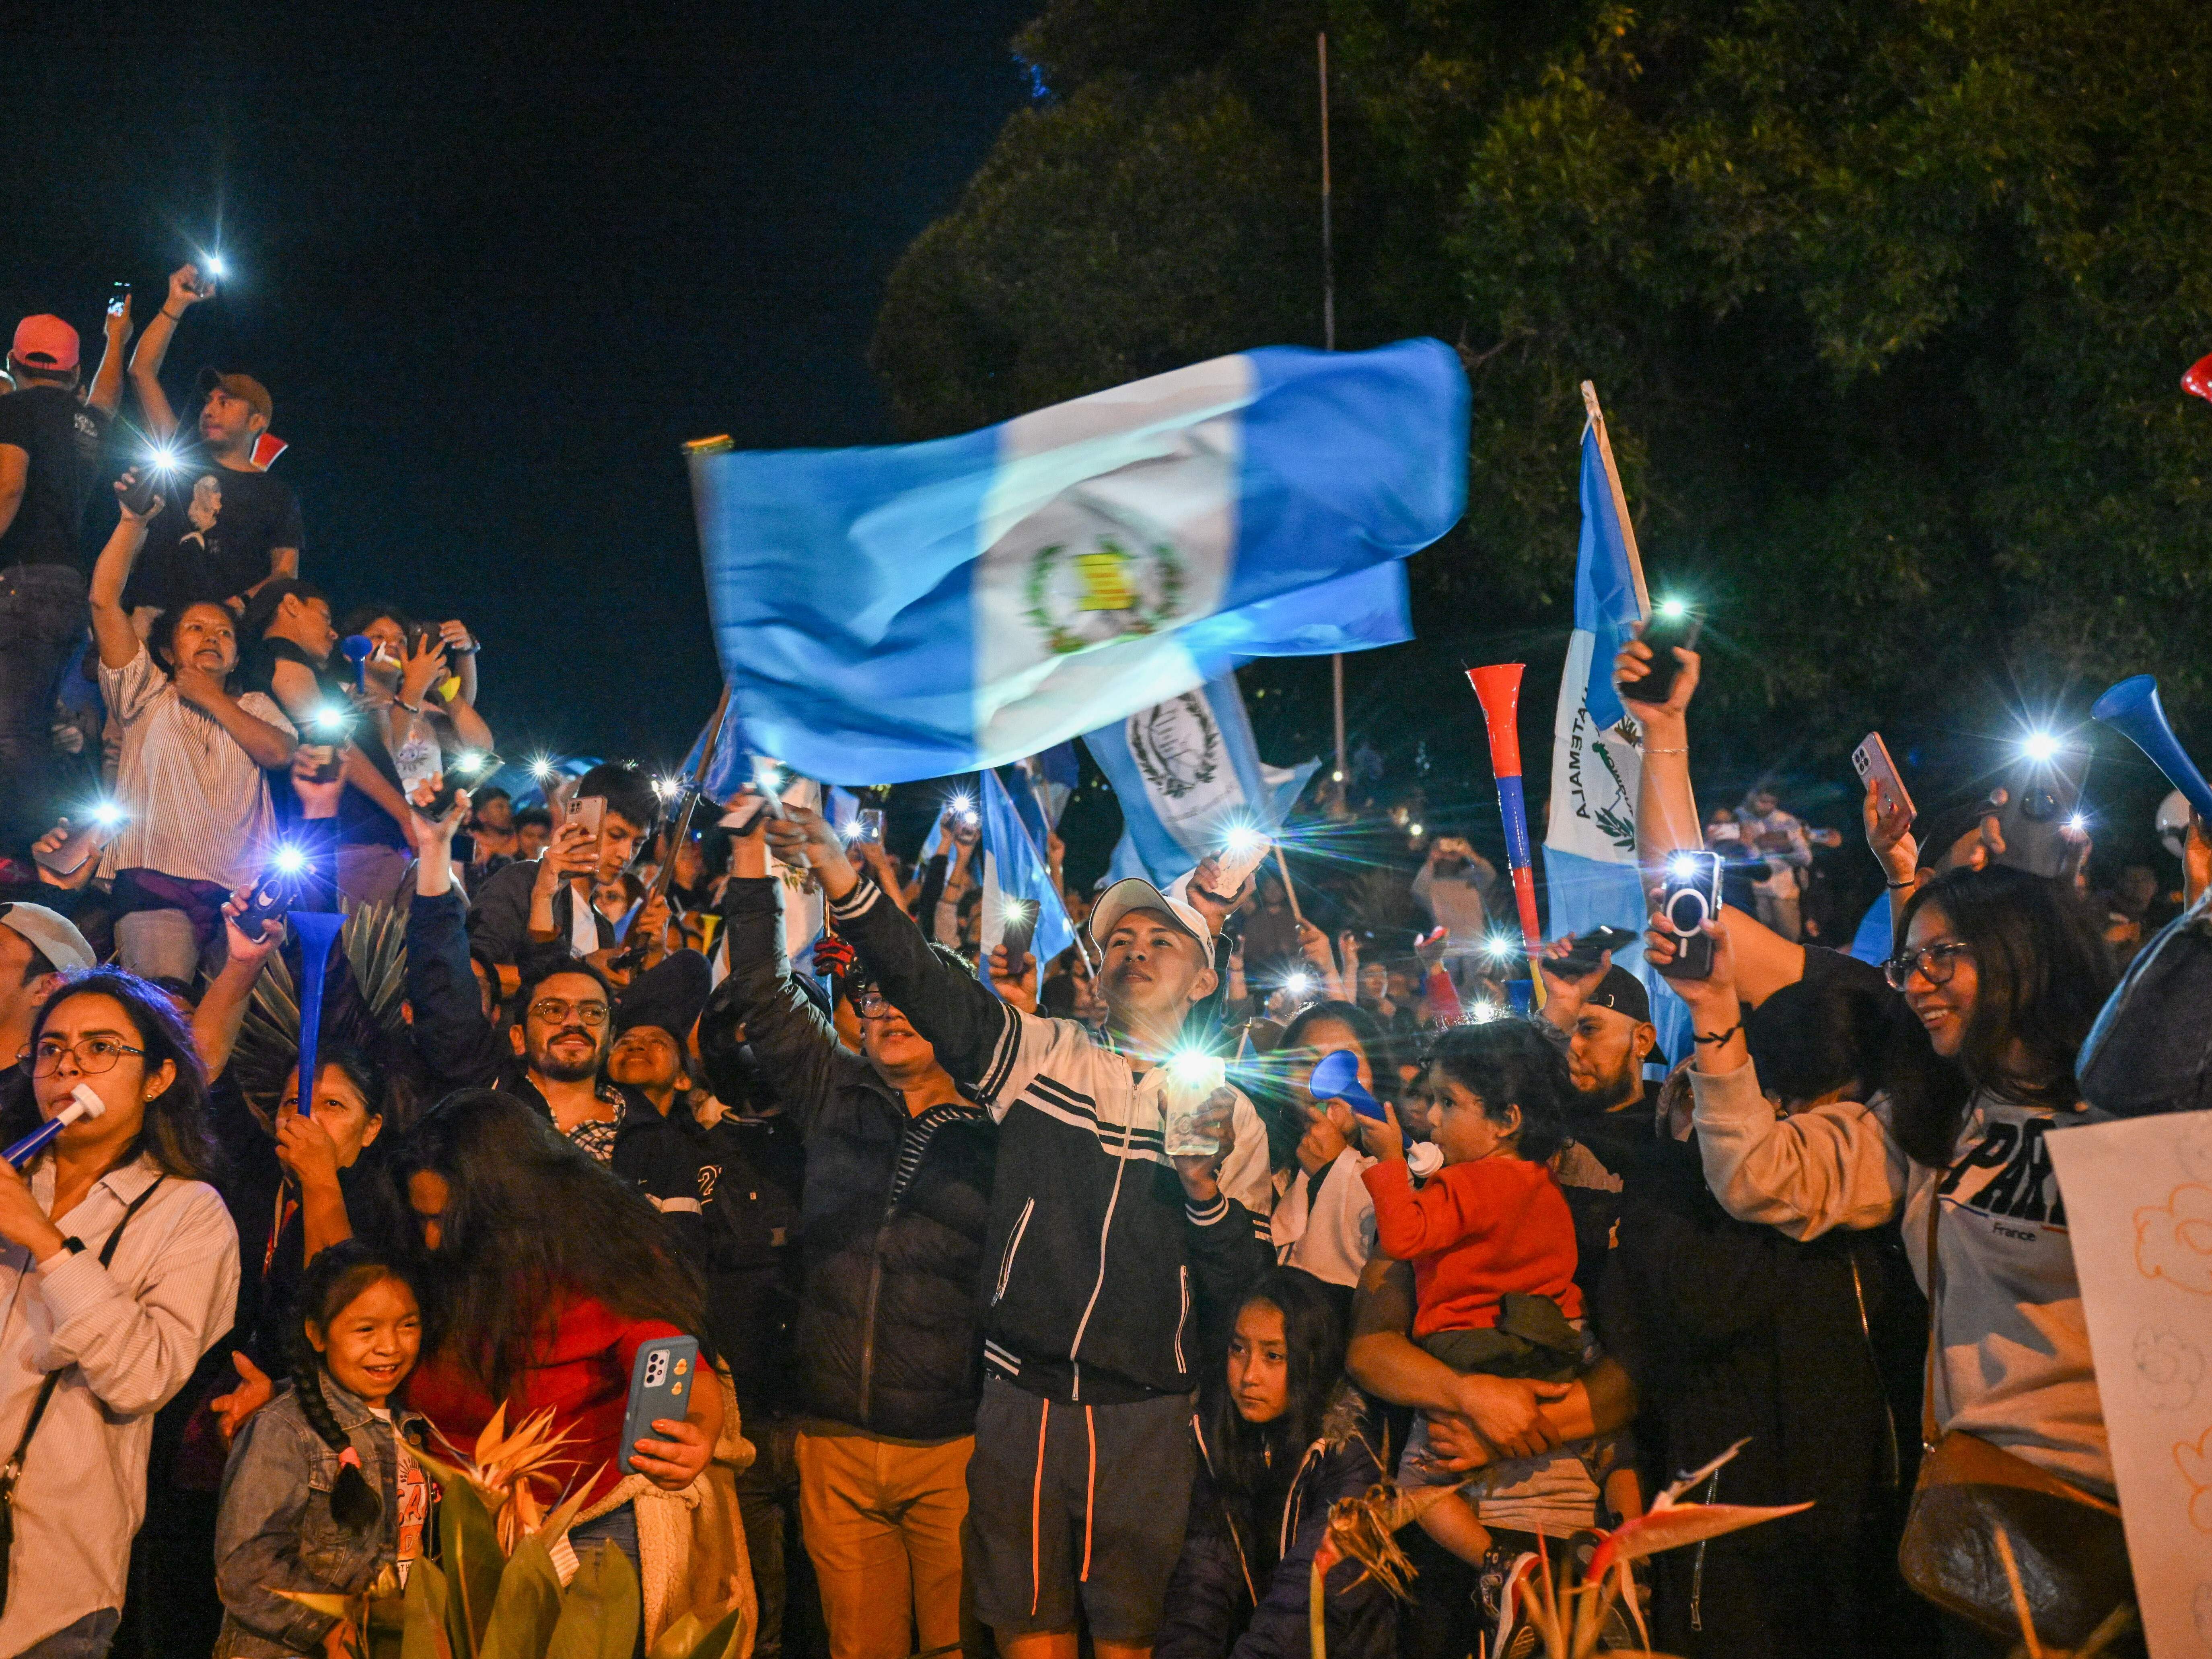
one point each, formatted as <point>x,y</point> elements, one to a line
<point>1887,299</point>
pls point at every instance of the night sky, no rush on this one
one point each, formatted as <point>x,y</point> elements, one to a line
<point>495,264</point>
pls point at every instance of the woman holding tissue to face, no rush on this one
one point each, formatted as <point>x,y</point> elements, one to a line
<point>118,1269</point>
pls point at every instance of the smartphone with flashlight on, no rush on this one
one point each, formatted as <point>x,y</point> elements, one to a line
<point>139,494</point>
<point>868,824</point>
<point>2043,803</point>
<point>84,839</point>
<point>1670,625</point>
<point>1688,899</point>
<point>1242,850</point>
<point>274,890</point>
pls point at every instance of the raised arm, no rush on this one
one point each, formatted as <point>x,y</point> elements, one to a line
<point>154,347</point>
<point>968,1025</point>
<point>1667,819</point>
<point>120,644</point>
<point>106,393</point>
<point>456,1041</point>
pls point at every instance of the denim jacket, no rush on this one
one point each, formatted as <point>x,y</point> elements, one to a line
<point>276,1532</point>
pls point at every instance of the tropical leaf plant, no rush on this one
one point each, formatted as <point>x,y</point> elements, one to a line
<point>374,941</point>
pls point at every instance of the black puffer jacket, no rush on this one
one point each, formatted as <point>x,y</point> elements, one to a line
<point>895,1209</point>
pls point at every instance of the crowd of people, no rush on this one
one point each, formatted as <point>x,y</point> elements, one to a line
<point>1043,1301</point>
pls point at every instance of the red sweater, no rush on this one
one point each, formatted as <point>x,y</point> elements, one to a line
<point>1474,1232</point>
<point>581,1370</point>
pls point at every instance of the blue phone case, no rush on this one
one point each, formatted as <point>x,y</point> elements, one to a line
<point>659,1387</point>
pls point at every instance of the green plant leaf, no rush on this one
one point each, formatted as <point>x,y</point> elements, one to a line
<point>387,1624</point>
<point>687,1638</point>
<point>473,1563</point>
<point>529,1605</point>
<point>424,1634</point>
<point>600,1614</point>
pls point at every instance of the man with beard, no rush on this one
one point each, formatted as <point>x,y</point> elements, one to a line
<point>1110,1242</point>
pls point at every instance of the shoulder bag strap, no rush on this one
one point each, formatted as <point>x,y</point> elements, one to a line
<point>14,1469</point>
<point>1928,1434</point>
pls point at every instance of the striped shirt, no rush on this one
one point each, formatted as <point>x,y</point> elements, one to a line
<point>198,805</point>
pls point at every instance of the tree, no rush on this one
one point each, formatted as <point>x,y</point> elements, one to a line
<point>1886,299</point>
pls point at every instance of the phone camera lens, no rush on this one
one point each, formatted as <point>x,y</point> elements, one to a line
<point>1686,911</point>
<point>2039,806</point>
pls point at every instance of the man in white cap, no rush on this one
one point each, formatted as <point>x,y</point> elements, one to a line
<point>1110,1236</point>
<point>37,947</point>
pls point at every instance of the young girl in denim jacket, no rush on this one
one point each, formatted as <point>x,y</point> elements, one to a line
<point>323,1492</point>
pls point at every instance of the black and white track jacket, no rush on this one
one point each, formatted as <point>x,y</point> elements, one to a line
<point>1097,1274</point>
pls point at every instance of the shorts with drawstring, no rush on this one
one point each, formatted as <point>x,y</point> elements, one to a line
<point>1067,1501</point>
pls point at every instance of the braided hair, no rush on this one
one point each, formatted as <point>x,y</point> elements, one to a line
<point>339,1273</point>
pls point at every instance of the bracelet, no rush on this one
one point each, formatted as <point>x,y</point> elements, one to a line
<point>411,707</point>
<point>174,317</point>
<point>1716,1036</point>
<point>1910,881</point>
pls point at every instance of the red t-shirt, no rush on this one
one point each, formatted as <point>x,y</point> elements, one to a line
<point>1474,1232</point>
<point>581,1370</point>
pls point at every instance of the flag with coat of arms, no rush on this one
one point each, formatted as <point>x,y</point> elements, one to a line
<point>891,614</point>
<point>1591,875</point>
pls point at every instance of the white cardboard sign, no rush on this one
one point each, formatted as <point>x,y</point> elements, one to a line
<point>2139,1204</point>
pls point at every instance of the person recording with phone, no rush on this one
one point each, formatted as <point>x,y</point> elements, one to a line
<point>192,773</point>
<point>1451,886</point>
<point>230,528</point>
<point>547,902</point>
<point>51,437</point>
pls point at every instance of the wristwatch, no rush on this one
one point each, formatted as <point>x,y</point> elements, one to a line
<point>73,1244</point>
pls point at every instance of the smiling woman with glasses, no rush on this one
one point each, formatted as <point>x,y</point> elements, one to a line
<point>2000,975</point>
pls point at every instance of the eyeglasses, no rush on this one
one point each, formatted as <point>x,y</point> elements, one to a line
<point>590,1015</point>
<point>1935,963</point>
<point>93,1055</point>
<point>870,1005</point>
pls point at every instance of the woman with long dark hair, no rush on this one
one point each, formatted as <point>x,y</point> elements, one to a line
<point>1281,1437</point>
<point>119,1270</point>
<point>543,1277</point>
<point>2003,974</point>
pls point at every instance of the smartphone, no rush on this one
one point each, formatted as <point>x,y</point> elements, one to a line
<point>1020,928</point>
<point>1871,761</point>
<point>84,839</point>
<point>272,896</point>
<point>118,296</point>
<point>1585,949</point>
<point>659,1387</point>
<point>1688,899</point>
<point>2040,797</point>
<point>450,783</point>
<point>1663,633</point>
<point>592,812</point>
<point>868,824</point>
<point>1239,859</point>
<point>140,496</point>
<point>327,760</point>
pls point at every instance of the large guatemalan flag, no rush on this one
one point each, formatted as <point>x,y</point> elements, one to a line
<point>884,615</point>
<point>1590,873</point>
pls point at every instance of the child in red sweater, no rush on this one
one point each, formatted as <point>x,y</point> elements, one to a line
<point>1492,1249</point>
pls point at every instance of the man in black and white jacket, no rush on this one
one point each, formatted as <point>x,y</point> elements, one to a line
<point>1103,1251</point>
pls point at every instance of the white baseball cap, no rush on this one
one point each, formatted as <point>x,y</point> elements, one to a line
<point>51,934</point>
<point>1135,893</point>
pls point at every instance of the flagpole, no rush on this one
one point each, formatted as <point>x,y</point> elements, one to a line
<point>1619,498</point>
<point>1328,343</point>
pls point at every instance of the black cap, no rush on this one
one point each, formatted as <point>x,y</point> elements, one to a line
<point>1623,993</point>
<point>669,996</point>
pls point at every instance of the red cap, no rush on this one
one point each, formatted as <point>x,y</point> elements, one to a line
<point>2197,382</point>
<point>45,343</point>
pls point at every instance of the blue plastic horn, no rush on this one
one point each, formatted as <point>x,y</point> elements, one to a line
<point>357,648</point>
<point>317,931</point>
<point>2131,708</point>
<point>1336,1077</point>
<point>83,1102</point>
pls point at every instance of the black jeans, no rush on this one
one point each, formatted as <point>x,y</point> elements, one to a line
<point>42,620</point>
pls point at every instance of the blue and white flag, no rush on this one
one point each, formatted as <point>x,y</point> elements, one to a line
<point>1184,770</point>
<point>1590,874</point>
<point>1041,785</point>
<point>884,615</point>
<point>1015,874</point>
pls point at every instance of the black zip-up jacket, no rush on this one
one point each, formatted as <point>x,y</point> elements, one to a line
<point>893,1213</point>
<point>1101,1273</point>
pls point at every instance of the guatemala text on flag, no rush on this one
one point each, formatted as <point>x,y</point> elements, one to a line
<point>884,614</point>
<point>1590,873</point>
<point>1184,770</point>
<point>1015,872</point>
